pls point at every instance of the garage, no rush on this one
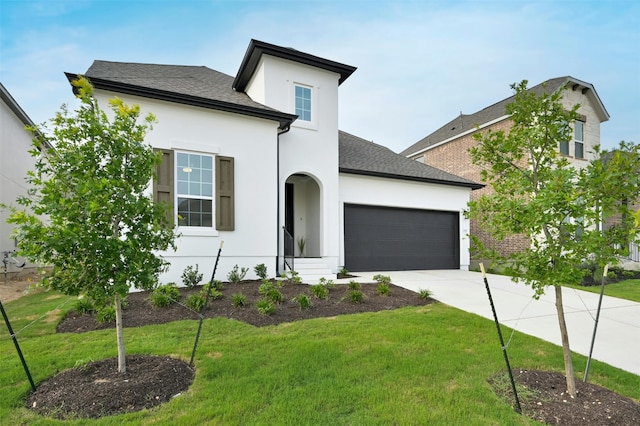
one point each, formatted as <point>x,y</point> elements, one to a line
<point>395,239</point>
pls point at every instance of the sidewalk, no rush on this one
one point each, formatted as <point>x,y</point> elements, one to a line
<point>618,335</point>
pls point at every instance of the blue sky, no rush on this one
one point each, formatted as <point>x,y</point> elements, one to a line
<point>420,63</point>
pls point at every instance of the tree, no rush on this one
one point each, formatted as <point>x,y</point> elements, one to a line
<point>538,193</point>
<point>101,228</point>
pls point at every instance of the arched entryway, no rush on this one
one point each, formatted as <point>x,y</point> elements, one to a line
<point>302,214</point>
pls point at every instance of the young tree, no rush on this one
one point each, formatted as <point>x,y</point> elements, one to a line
<point>538,193</point>
<point>101,228</point>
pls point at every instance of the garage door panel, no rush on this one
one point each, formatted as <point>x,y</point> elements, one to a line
<point>382,238</point>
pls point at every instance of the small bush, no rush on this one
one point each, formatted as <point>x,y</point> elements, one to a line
<point>293,277</point>
<point>327,283</point>
<point>265,306</point>
<point>106,314</point>
<point>383,289</point>
<point>196,302</point>
<point>303,301</point>
<point>320,291</point>
<point>165,295</point>
<point>237,274</point>
<point>354,285</point>
<point>424,293</point>
<point>343,271</point>
<point>355,296</point>
<point>261,271</point>
<point>271,291</point>
<point>190,276</point>
<point>382,279</point>
<point>239,300</point>
<point>84,306</point>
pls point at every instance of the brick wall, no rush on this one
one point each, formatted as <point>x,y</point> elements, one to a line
<point>454,157</point>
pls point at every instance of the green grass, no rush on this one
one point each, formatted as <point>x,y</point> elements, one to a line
<point>419,365</point>
<point>628,289</point>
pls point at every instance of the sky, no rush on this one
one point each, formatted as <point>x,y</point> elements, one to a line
<point>420,63</point>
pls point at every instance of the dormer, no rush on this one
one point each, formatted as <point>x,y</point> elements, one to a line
<point>292,81</point>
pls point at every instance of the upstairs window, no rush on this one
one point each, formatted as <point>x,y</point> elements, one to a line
<point>578,130</point>
<point>564,148</point>
<point>303,103</point>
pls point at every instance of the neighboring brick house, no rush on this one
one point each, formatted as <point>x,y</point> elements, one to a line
<point>448,147</point>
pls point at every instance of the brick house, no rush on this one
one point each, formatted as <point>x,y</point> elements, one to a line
<point>448,147</point>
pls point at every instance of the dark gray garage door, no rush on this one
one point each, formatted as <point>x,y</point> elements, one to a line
<point>393,239</point>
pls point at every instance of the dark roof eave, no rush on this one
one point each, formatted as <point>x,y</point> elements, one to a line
<point>471,185</point>
<point>282,118</point>
<point>257,48</point>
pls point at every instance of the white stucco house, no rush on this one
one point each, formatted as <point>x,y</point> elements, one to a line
<point>250,159</point>
<point>15,161</point>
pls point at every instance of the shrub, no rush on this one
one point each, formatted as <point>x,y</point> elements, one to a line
<point>382,279</point>
<point>265,306</point>
<point>106,314</point>
<point>320,291</point>
<point>327,283</point>
<point>293,276</point>
<point>354,285</point>
<point>165,295</point>
<point>261,271</point>
<point>239,300</point>
<point>424,293</point>
<point>270,290</point>
<point>237,274</point>
<point>190,276</point>
<point>383,289</point>
<point>196,302</point>
<point>355,296</point>
<point>303,301</point>
<point>85,306</point>
<point>343,271</point>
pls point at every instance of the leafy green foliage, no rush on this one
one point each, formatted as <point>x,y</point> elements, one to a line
<point>343,271</point>
<point>239,300</point>
<point>190,276</point>
<point>261,271</point>
<point>165,295</point>
<point>355,296</point>
<point>106,314</point>
<point>265,306</point>
<point>424,293</point>
<point>196,302</point>
<point>320,291</point>
<point>293,277</point>
<point>384,284</point>
<point>329,284</point>
<point>237,274</point>
<point>270,290</point>
<point>84,306</point>
<point>103,231</point>
<point>354,285</point>
<point>303,300</point>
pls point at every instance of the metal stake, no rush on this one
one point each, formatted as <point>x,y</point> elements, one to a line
<point>595,327</point>
<point>504,349</point>
<point>206,302</point>
<point>15,342</point>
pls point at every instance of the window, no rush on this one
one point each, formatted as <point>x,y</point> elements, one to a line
<point>187,180</point>
<point>194,179</point>
<point>564,148</point>
<point>578,130</point>
<point>303,103</point>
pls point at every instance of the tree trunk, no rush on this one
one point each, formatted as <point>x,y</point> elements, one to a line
<point>122,362</point>
<point>566,350</point>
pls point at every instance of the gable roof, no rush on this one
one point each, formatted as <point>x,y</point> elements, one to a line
<point>361,157</point>
<point>191,85</point>
<point>14,106</point>
<point>468,123</point>
<point>258,48</point>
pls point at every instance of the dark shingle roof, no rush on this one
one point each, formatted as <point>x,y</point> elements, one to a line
<point>467,122</point>
<point>193,85</point>
<point>257,48</point>
<point>359,156</point>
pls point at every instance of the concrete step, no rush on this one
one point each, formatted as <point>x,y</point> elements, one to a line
<point>311,270</point>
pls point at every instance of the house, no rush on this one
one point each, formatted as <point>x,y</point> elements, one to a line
<point>15,161</point>
<point>258,161</point>
<point>448,147</point>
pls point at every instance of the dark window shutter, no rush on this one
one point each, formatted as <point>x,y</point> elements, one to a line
<point>225,212</point>
<point>163,183</point>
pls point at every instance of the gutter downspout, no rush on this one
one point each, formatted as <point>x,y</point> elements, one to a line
<point>281,132</point>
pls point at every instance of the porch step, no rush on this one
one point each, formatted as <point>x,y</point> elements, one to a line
<point>311,270</point>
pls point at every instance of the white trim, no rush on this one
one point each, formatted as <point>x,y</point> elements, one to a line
<point>459,135</point>
<point>313,123</point>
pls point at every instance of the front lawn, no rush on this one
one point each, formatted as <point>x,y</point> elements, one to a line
<point>628,289</point>
<point>416,365</point>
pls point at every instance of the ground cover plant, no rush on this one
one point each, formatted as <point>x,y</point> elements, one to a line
<point>429,364</point>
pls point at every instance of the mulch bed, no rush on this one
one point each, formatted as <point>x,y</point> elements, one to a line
<point>97,389</point>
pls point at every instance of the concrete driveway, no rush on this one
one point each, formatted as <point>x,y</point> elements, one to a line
<point>618,335</point>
